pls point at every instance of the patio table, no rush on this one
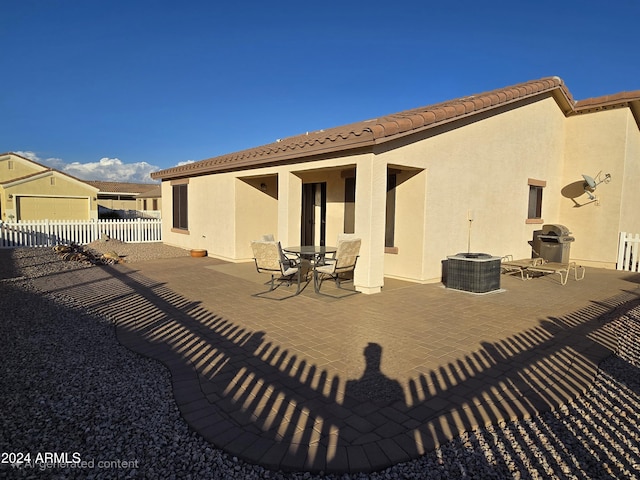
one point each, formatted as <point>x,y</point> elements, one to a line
<point>313,253</point>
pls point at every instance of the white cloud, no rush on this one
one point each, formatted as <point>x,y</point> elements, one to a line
<point>106,169</point>
<point>186,162</point>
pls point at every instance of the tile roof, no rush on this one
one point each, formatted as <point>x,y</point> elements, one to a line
<point>379,130</point>
<point>156,191</point>
<point>122,187</point>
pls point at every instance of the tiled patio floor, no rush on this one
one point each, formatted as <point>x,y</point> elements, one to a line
<point>358,383</point>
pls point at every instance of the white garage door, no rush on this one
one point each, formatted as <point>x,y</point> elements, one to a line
<point>53,208</point>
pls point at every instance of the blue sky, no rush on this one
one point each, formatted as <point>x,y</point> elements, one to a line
<point>112,90</point>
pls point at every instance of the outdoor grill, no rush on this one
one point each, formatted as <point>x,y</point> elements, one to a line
<point>473,272</point>
<point>553,243</point>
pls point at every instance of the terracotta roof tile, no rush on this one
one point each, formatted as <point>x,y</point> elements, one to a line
<point>388,127</point>
<point>121,187</point>
<point>620,99</point>
<point>156,191</point>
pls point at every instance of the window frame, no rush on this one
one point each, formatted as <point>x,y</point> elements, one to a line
<point>390,213</point>
<point>535,201</point>
<point>180,206</point>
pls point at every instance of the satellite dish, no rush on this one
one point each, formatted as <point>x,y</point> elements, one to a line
<point>589,182</point>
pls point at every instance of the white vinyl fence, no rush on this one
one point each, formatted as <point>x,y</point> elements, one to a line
<point>48,233</point>
<point>629,252</point>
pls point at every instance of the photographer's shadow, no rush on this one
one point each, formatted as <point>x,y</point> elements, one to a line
<point>373,385</point>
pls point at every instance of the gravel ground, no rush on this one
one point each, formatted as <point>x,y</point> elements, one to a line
<point>135,252</point>
<point>68,386</point>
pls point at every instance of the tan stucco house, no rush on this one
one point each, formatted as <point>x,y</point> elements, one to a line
<point>124,196</point>
<point>150,200</point>
<point>31,191</point>
<point>481,172</point>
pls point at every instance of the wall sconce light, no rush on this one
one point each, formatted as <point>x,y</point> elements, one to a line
<point>10,196</point>
<point>263,187</point>
<point>95,199</point>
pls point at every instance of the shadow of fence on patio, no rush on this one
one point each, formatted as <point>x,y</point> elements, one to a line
<point>262,403</point>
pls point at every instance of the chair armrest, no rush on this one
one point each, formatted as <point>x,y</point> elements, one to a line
<point>293,259</point>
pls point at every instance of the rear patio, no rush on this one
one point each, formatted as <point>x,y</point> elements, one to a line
<point>359,383</point>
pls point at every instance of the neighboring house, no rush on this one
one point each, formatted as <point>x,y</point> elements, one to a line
<point>126,196</point>
<point>481,172</point>
<point>150,201</point>
<point>30,191</point>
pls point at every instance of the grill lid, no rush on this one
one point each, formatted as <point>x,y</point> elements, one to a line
<point>556,238</point>
<point>555,229</point>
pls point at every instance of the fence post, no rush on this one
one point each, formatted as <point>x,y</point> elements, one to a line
<point>621,249</point>
<point>48,234</point>
<point>635,252</point>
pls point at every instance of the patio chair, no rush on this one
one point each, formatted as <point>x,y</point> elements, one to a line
<point>514,267</point>
<point>270,237</point>
<point>562,269</point>
<point>271,260</point>
<point>343,262</point>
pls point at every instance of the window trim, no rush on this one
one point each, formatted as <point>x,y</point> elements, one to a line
<point>539,186</point>
<point>181,227</point>
<point>390,212</point>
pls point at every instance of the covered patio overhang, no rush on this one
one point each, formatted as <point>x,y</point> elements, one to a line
<point>318,201</point>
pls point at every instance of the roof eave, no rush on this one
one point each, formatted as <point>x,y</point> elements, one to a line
<point>45,173</point>
<point>630,100</point>
<point>205,167</point>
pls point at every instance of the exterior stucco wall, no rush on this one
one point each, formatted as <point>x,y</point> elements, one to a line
<point>140,203</point>
<point>483,168</point>
<point>256,213</point>
<point>407,262</point>
<point>597,142</point>
<point>49,186</point>
<point>224,214</point>
<point>20,167</point>
<point>211,215</point>
<point>117,204</point>
<point>629,213</point>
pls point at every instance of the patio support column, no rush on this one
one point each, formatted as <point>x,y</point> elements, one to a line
<point>371,188</point>
<point>289,208</point>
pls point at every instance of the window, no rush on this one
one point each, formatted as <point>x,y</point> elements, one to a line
<point>390,224</point>
<point>534,214</point>
<point>10,164</point>
<point>180,207</point>
<point>350,205</point>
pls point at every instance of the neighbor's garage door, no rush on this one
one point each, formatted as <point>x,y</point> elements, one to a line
<point>53,208</point>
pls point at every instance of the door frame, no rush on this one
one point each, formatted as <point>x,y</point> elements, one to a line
<point>314,205</point>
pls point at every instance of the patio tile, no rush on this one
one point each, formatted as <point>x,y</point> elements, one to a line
<point>376,456</point>
<point>390,429</point>
<point>338,462</point>
<point>358,460</point>
<point>272,457</point>
<point>270,382</point>
<point>394,452</point>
